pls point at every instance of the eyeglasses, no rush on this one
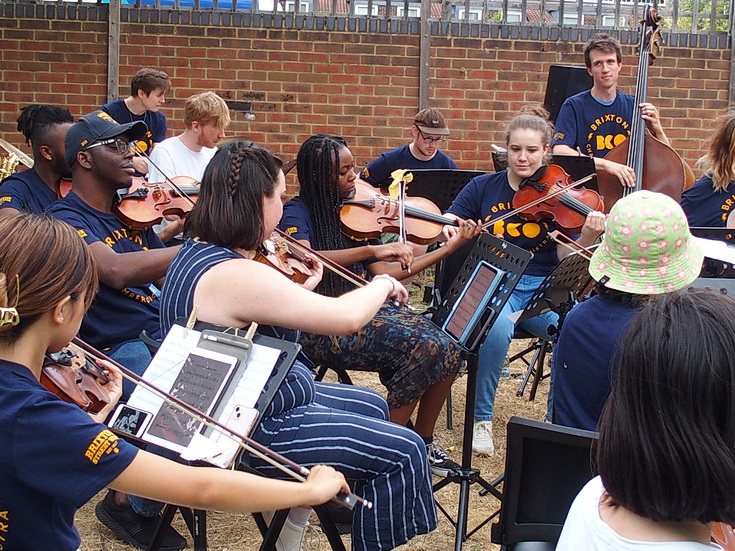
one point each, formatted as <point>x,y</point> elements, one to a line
<point>121,145</point>
<point>429,140</point>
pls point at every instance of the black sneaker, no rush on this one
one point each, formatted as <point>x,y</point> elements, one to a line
<point>134,529</point>
<point>439,460</point>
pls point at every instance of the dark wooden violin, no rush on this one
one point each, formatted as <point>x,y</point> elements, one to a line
<point>144,205</point>
<point>369,214</point>
<point>76,379</point>
<point>280,254</point>
<point>656,165</point>
<point>535,199</point>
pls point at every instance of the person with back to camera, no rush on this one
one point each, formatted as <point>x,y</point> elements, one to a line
<point>710,201</point>
<point>55,457</point>
<point>647,251</point>
<point>666,454</point>
<point>239,206</point>
<point>488,197</point>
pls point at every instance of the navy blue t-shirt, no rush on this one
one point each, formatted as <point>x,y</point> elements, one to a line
<point>585,359</point>
<point>378,172</point>
<point>116,315</point>
<point>54,459</point>
<point>26,191</point>
<point>155,120</point>
<point>591,126</point>
<point>706,207</point>
<point>490,196</point>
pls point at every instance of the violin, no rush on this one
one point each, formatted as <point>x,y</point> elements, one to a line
<point>278,253</point>
<point>656,165</point>
<point>569,208</point>
<point>76,379</point>
<point>369,214</point>
<point>145,204</point>
<point>723,535</point>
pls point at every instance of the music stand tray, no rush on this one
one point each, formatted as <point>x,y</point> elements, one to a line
<point>508,263</point>
<point>440,186</point>
<point>560,289</point>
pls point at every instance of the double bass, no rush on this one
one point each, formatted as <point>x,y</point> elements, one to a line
<point>656,165</point>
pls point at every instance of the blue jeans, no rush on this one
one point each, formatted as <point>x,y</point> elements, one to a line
<point>135,356</point>
<point>494,348</point>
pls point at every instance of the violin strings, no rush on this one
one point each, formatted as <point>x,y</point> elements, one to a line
<point>535,202</point>
<point>173,184</point>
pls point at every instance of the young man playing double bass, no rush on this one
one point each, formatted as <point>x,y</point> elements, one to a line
<point>593,122</point>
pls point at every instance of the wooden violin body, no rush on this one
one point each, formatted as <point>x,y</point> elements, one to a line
<point>144,205</point>
<point>369,214</point>
<point>569,209</point>
<point>75,379</point>
<point>279,254</point>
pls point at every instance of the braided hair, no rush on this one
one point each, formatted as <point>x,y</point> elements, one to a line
<point>229,210</point>
<point>35,121</point>
<point>318,170</point>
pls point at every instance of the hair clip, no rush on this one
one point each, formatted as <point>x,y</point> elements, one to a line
<point>9,316</point>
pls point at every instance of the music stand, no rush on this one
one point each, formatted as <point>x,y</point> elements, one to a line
<point>712,268</point>
<point>440,186</point>
<point>510,261</point>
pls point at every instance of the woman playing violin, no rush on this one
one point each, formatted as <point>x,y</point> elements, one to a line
<point>239,206</point>
<point>56,457</point>
<point>710,200</point>
<point>490,196</point>
<point>415,360</point>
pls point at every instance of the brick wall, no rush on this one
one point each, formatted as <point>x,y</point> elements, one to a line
<point>296,82</point>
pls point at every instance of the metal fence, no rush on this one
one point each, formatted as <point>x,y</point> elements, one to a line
<point>710,17</point>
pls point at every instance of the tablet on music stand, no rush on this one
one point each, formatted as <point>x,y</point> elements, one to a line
<point>471,305</point>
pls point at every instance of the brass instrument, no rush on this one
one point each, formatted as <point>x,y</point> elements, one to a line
<point>15,156</point>
<point>7,165</point>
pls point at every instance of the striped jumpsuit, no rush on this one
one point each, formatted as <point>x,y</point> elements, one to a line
<point>343,426</point>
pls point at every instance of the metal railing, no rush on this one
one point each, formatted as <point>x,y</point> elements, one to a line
<point>711,17</point>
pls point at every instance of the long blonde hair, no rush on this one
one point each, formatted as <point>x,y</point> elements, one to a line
<point>719,161</point>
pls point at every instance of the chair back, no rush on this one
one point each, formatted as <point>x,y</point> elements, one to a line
<point>546,467</point>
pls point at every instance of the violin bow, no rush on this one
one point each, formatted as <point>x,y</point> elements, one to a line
<point>290,468</point>
<point>535,202</point>
<point>170,181</point>
<point>563,239</point>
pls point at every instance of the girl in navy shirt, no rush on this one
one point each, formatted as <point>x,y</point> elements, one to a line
<point>488,197</point>
<point>56,457</point>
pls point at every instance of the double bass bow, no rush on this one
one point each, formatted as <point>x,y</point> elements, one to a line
<point>656,165</point>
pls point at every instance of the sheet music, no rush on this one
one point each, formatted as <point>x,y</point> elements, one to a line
<point>166,367</point>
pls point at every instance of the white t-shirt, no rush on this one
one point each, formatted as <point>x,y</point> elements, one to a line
<point>172,158</point>
<point>175,159</point>
<point>585,530</point>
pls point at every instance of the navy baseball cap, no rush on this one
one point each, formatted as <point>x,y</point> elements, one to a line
<point>97,126</point>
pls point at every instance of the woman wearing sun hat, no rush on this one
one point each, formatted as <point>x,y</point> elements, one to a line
<point>647,251</point>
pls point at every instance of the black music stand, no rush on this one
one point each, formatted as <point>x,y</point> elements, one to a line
<point>440,186</point>
<point>712,268</point>
<point>510,261</point>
